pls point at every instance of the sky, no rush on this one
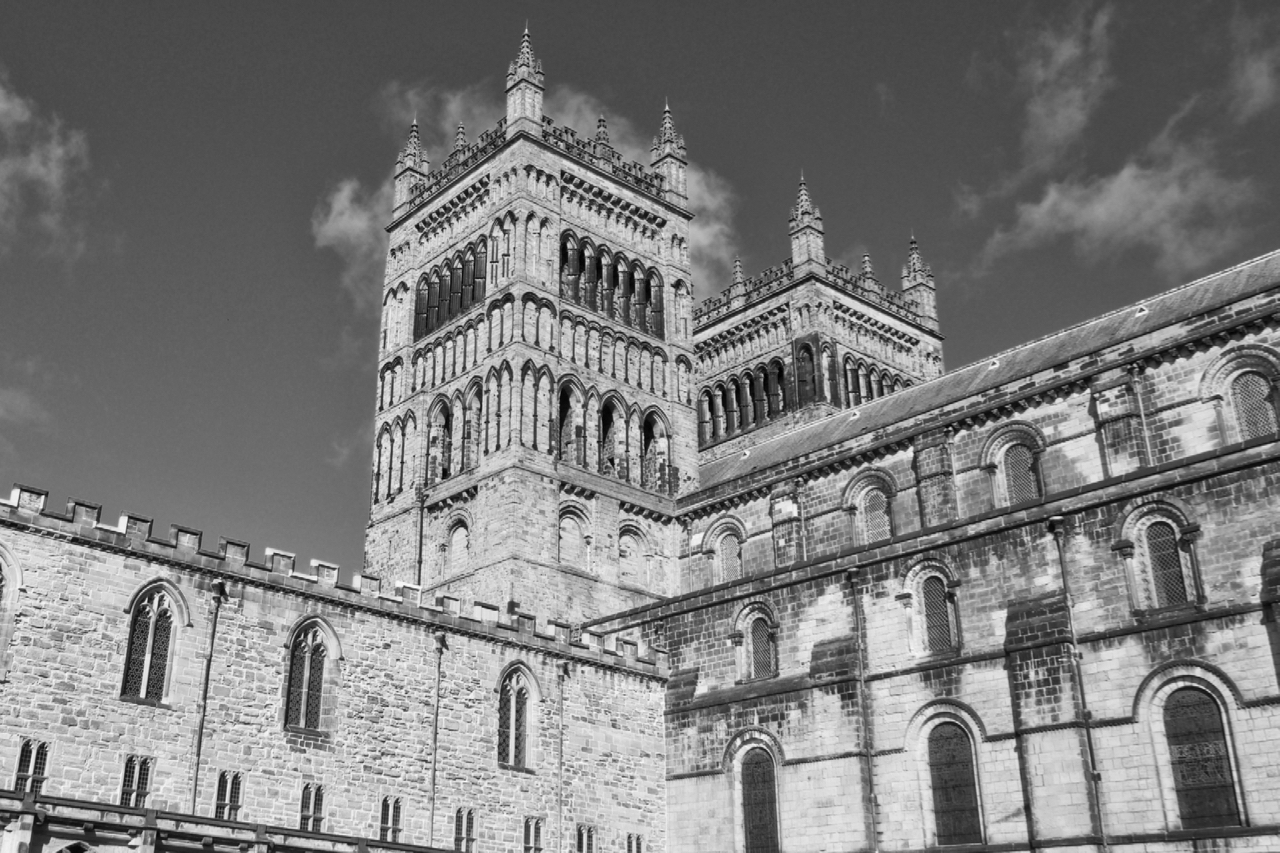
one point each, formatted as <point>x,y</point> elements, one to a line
<point>192,197</point>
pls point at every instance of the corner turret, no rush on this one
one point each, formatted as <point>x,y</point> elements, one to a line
<point>524,91</point>
<point>670,159</point>
<point>808,247</point>
<point>411,167</point>
<point>918,286</point>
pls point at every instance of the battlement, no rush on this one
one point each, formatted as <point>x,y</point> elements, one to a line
<point>764,284</point>
<point>602,156</point>
<point>744,293</point>
<point>27,507</point>
<point>460,160</point>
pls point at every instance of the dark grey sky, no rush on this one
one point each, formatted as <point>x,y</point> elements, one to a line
<point>191,196</point>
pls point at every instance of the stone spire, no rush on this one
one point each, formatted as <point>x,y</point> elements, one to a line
<point>460,138</point>
<point>918,285</point>
<point>602,130</point>
<point>738,277</point>
<point>808,246</point>
<point>524,91</point>
<point>670,159</point>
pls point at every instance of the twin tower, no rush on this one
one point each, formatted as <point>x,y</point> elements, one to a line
<point>546,388</point>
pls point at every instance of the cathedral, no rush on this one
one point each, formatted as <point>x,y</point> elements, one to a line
<point>754,574</point>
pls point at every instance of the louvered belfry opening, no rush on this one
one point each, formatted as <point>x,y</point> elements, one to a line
<point>937,614</point>
<point>759,802</point>
<point>955,792</point>
<point>1166,564</point>
<point>1020,478</point>
<point>1255,411</point>
<point>1198,755</point>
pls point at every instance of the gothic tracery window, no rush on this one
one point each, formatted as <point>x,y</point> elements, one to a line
<point>464,830</point>
<point>954,786</point>
<point>306,679</point>
<point>759,802</point>
<point>150,641</point>
<point>513,720</point>
<point>1200,761</point>
<point>311,810</point>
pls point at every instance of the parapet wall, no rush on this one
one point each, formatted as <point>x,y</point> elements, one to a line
<point>133,534</point>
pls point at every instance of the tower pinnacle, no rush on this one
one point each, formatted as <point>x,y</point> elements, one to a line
<point>670,158</point>
<point>524,90</point>
<point>738,277</point>
<point>808,248</point>
<point>460,138</point>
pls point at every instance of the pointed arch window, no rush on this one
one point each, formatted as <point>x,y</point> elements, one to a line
<point>586,838</point>
<point>135,785</point>
<point>150,641</point>
<point>513,720</point>
<point>33,763</point>
<point>1200,761</point>
<point>389,827</point>
<point>464,830</point>
<point>957,819</point>
<point>227,803</point>
<point>306,679</point>
<point>311,812</point>
<point>533,835</point>
<point>759,802</point>
<point>1253,399</point>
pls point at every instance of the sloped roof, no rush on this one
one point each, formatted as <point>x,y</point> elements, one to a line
<point>1172,306</point>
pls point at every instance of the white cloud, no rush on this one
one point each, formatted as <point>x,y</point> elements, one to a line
<point>1065,71</point>
<point>1254,83</point>
<point>18,407</point>
<point>1173,200</point>
<point>350,221</point>
<point>42,165</point>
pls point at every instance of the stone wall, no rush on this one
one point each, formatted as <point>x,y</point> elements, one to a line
<point>595,745</point>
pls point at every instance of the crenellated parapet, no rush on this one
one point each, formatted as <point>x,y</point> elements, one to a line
<point>182,549</point>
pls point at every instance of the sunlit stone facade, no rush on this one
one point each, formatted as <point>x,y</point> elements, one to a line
<point>751,576</point>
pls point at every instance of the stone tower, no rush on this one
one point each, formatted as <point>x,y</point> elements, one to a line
<point>534,410</point>
<point>808,337</point>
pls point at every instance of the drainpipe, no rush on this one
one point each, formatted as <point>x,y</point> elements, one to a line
<point>563,675</point>
<point>1058,527</point>
<point>219,594</point>
<point>422,509</point>
<point>441,645</point>
<point>1135,371</point>
<point>864,701</point>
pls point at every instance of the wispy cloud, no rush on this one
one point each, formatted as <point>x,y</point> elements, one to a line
<point>19,408</point>
<point>42,167</point>
<point>1254,84</point>
<point>357,444</point>
<point>1173,199</point>
<point>1063,73</point>
<point>1064,70</point>
<point>350,218</point>
<point>350,221</point>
